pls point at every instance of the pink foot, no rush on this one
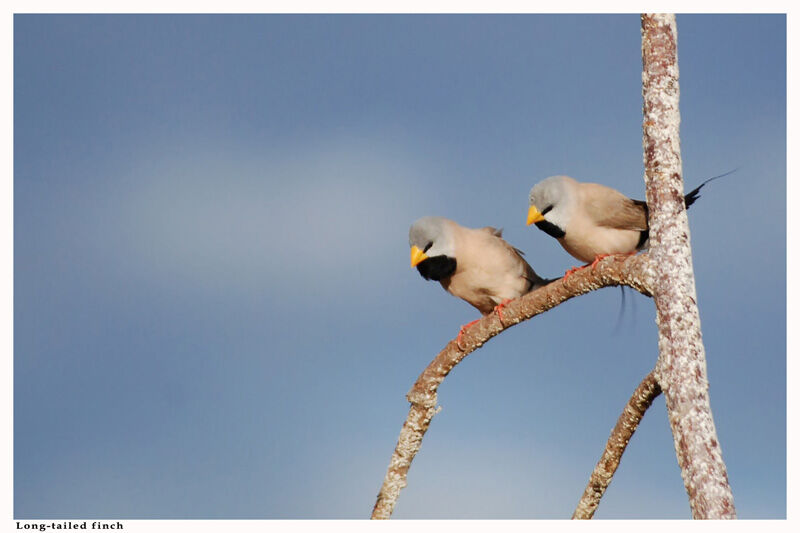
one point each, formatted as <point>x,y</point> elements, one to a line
<point>499,308</point>
<point>572,270</point>
<point>597,259</point>
<point>462,330</point>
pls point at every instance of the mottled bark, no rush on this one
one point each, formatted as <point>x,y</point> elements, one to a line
<point>628,421</point>
<point>665,273</point>
<point>681,366</point>
<point>635,272</point>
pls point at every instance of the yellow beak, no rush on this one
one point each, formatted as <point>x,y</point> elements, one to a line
<point>534,215</point>
<point>417,256</point>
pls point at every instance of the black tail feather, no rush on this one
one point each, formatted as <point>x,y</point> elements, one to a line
<point>694,194</point>
<point>539,282</point>
<point>621,309</point>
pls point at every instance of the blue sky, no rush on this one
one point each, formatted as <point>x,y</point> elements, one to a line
<point>214,312</point>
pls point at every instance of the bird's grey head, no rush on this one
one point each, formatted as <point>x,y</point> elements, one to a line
<point>551,202</point>
<point>432,235</point>
<point>432,247</point>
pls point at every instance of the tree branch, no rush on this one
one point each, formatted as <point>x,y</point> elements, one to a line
<point>635,272</point>
<point>665,273</point>
<point>647,391</point>
<point>681,365</point>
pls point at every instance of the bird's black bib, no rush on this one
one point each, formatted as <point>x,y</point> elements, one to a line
<point>551,229</point>
<point>437,268</point>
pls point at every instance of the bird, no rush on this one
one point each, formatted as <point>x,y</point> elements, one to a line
<point>474,264</point>
<point>592,221</point>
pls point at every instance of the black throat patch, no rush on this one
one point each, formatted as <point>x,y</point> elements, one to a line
<point>551,229</point>
<point>437,268</point>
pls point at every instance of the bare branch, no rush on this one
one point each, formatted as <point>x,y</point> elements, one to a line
<point>681,365</point>
<point>666,273</point>
<point>628,421</point>
<point>635,272</point>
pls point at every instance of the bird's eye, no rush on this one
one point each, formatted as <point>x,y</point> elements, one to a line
<point>427,247</point>
<point>547,210</point>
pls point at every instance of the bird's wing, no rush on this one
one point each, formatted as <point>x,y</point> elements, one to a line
<point>499,233</point>
<point>493,231</point>
<point>490,270</point>
<point>612,209</point>
<point>503,252</point>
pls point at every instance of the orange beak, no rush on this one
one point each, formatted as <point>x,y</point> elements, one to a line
<point>534,215</point>
<point>417,256</point>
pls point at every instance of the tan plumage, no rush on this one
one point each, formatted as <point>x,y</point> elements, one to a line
<point>591,220</point>
<point>588,219</point>
<point>476,265</point>
<point>611,209</point>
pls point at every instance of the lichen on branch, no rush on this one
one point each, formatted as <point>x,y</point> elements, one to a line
<point>635,272</point>
<point>681,366</point>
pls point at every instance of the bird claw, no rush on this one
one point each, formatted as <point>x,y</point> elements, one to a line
<point>499,309</point>
<point>461,333</point>
<point>597,259</point>
<point>594,263</point>
<point>572,270</point>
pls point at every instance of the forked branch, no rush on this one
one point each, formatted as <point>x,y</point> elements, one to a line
<point>665,273</point>
<point>635,272</point>
<point>681,366</point>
